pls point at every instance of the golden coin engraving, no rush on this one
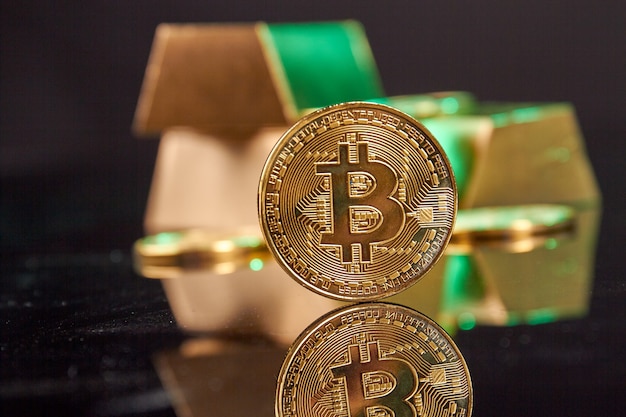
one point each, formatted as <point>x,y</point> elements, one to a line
<point>374,360</point>
<point>357,201</point>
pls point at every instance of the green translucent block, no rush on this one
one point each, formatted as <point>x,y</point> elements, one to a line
<point>463,290</point>
<point>431,104</point>
<point>458,140</point>
<point>322,63</point>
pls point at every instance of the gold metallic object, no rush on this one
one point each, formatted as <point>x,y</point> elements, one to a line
<point>224,77</point>
<point>190,81</point>
<point>374,359</point>
<point>509,154</point>
<point>169,254</point>
<point>357,201</point>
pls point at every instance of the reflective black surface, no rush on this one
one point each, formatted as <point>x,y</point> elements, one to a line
<point>82,334</point>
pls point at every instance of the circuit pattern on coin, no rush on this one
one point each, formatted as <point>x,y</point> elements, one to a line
<point>374,360</point>
<point>357,201</point>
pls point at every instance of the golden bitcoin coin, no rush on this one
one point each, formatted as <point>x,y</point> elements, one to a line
<point>374,360</point>
<point>357,201</point>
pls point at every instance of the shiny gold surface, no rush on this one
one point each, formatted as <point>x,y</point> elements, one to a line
<point>552,167</point>
<point>206,76</point>
<point>518,154</point>
<point>357,201</point>
<point>226,77</point>
<point>372,359</point>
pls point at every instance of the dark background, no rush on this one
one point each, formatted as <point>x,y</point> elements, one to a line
<point>74,182</point>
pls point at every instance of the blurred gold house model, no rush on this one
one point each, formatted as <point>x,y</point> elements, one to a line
<point>221,95</point>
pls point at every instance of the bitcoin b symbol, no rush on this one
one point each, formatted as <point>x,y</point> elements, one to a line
<point>377,387</point>
<point>364,212</point>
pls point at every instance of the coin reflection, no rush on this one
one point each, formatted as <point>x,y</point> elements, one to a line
<point>374,359</point>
